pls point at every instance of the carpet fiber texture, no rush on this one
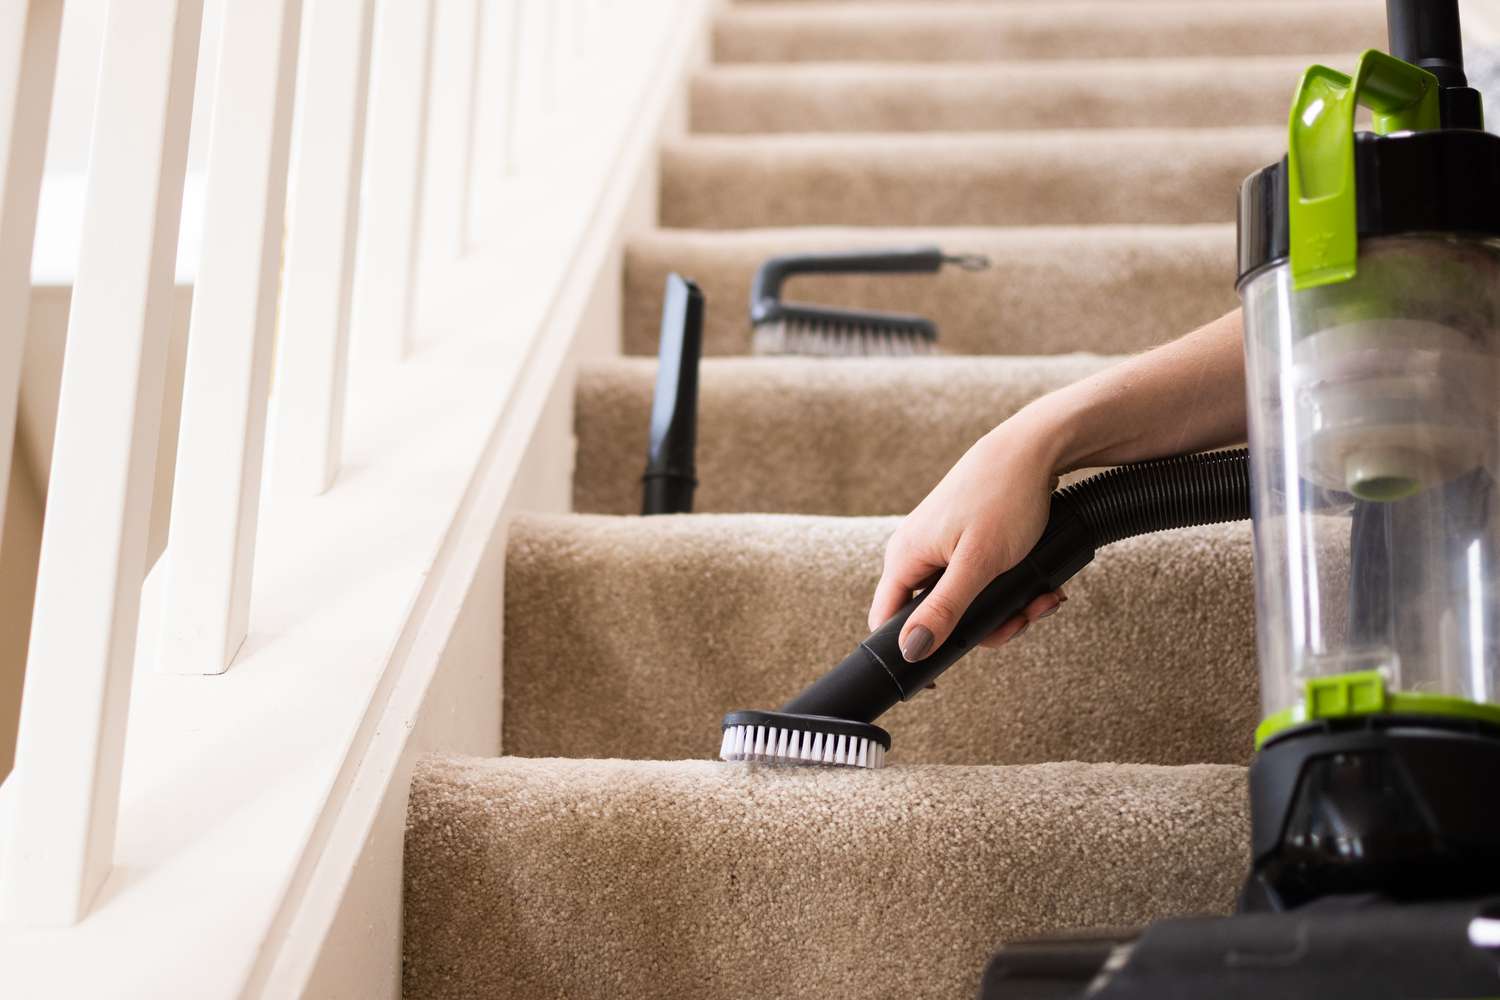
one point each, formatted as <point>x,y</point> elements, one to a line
<point>1049,289</point>
<point>1059,176</point>
<point>865,436</point>
<point>913,32</point>
<point>631,637</point>
<point>581,879</point>
<point>959,97</point>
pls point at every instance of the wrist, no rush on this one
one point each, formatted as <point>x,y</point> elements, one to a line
<point>1050,427</point>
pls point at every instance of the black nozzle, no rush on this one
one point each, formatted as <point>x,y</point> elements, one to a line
<point>1427,33</point>
<point>670,477</point>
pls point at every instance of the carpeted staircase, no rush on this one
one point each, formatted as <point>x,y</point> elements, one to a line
<point>1091,773</point>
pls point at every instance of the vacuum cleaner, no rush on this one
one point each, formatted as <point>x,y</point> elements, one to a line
<point>1369,272</point>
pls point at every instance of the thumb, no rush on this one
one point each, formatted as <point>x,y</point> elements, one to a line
<point>934,619</point>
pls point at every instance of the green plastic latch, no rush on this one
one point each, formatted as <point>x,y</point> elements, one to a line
<point>1320,155</point>
<point>1364,692</point>
<point>1359,693</point>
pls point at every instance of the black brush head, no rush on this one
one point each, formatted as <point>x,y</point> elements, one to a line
<point>783,328</point>
<point>795,328</point>
<point>789,738</point>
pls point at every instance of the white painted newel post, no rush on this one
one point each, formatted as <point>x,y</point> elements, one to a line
<point>28,66</point>
<point>93,559</point>
<point>391,230</point>
<point>313,354</point>
<point>216,494</point>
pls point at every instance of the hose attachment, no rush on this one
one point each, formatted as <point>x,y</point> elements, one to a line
<point>1130,500</point>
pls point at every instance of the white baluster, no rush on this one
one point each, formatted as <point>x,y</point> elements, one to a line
<point>313,352</point>
<point>510,112</point>
<point>390,230</point>
<point>77,695</point>
<point>28,67</point>
<point>457,35</point>
<point>216,495</point>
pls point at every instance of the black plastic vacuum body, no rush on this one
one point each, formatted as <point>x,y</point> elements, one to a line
<point>670,478</point>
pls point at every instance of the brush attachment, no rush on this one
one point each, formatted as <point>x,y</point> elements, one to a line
<point>1125,501</point>
<point>789,738</point>
<point>823,331</point>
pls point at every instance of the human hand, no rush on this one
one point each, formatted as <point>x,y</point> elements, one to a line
<point>982,518</point>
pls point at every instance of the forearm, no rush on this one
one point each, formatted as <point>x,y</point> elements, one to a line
<point>1184,396</point>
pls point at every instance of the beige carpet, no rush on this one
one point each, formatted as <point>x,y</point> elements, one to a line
<point>959,97</point>
<point>916,31</point>
<point>1050,289</point>
<point>1089,773</point>
<point>596,880</point>
<point>950,179</point>
<point>865,436</point>
<point>629,637</point>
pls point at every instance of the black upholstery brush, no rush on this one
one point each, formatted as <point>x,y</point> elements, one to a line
<point>670,478</point>
<point>824,331</point>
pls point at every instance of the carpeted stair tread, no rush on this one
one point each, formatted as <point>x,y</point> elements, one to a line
<point>1046,177</point>
<point>911,32</point>
<point>1050,290</point>
<point>806,435</point>
<point>958,97</point>
<point>699,881</point>
<point>631,637</point>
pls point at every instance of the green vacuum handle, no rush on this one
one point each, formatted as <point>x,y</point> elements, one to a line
<point>1320,155</point>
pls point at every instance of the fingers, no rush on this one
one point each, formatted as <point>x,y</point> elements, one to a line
<point>897,583</point>
<point>1043,607</point>
<point>931,623</point>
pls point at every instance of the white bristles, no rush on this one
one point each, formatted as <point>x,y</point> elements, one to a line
<point>837,340</point>
<point>773,745</point>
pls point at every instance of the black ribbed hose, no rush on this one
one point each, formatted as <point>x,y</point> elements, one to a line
<point>1130,500</point>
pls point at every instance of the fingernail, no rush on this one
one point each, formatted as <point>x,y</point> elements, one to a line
<point>916,644</point>
<point>1050,611</point>
<point>1022,630</point>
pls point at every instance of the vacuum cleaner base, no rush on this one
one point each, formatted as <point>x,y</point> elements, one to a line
<point>1337,947</point>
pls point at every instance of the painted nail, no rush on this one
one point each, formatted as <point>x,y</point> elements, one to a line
<point>916,645</point>
<point>1050,611</point>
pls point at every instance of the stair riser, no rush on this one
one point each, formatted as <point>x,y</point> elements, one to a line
<point>1025,178</point>
<point>922,32</point>
<point>823,98</point>
<point>804,435</point>
<point>1048,291</point>
<point>610,879</point>
<point>631,639</point>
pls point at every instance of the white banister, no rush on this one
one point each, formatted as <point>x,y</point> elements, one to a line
<point>390,234</point>
<point>313,354</point>
<point>93,556</point>
<point>216,494</point>
<point>29,32</point>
